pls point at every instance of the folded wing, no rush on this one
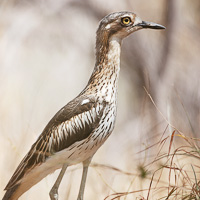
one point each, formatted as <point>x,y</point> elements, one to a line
<point>73,123</point>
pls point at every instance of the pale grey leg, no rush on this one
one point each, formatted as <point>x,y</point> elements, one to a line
<point>83,180</point>
<point>54,190</point>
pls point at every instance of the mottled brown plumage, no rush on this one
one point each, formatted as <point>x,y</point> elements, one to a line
<point>44,148</point>
<point>76,132</point>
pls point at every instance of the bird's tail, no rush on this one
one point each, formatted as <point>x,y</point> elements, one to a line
<point>10,193</point>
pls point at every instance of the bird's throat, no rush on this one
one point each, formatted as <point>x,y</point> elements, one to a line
<point>104,78</point>
<point>107,48</point>
<point>107,60</point>
<point>113,55</point>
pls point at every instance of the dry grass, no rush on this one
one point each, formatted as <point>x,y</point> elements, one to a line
<point>46,58</point>
<point>172,172</point>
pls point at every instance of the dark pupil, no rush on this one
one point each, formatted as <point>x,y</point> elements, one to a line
<point>126,20</point>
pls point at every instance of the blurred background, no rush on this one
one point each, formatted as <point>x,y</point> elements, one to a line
<point>47,54</point>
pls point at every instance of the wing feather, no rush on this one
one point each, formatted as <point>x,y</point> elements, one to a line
<point>74,122</point>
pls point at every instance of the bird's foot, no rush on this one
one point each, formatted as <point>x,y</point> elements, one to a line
<point>53,194</point>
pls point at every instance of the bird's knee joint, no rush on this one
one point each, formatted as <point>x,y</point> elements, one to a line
<point>53,194</point>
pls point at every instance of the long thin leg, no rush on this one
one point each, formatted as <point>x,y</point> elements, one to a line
<point>83,180</point>
<point>54,190</point>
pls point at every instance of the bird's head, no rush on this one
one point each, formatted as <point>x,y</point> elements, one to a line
<point>115,27</point>
<point>122,24</point>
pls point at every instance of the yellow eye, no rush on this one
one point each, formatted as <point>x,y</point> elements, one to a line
<point>126,20</point>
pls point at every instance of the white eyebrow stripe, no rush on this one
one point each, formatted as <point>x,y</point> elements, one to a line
<point>85,101</point>
<point>107,26</point>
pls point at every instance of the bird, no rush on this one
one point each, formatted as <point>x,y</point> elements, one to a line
<point>79,129</point>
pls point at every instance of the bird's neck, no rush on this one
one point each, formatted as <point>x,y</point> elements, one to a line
<point>105,44</point>
<point>108,56</point>
<point>104,78</point>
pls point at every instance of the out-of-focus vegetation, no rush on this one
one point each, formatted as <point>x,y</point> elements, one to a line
<point>46,57</point>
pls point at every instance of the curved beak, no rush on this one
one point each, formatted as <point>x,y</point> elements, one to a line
<point>150,25</point>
